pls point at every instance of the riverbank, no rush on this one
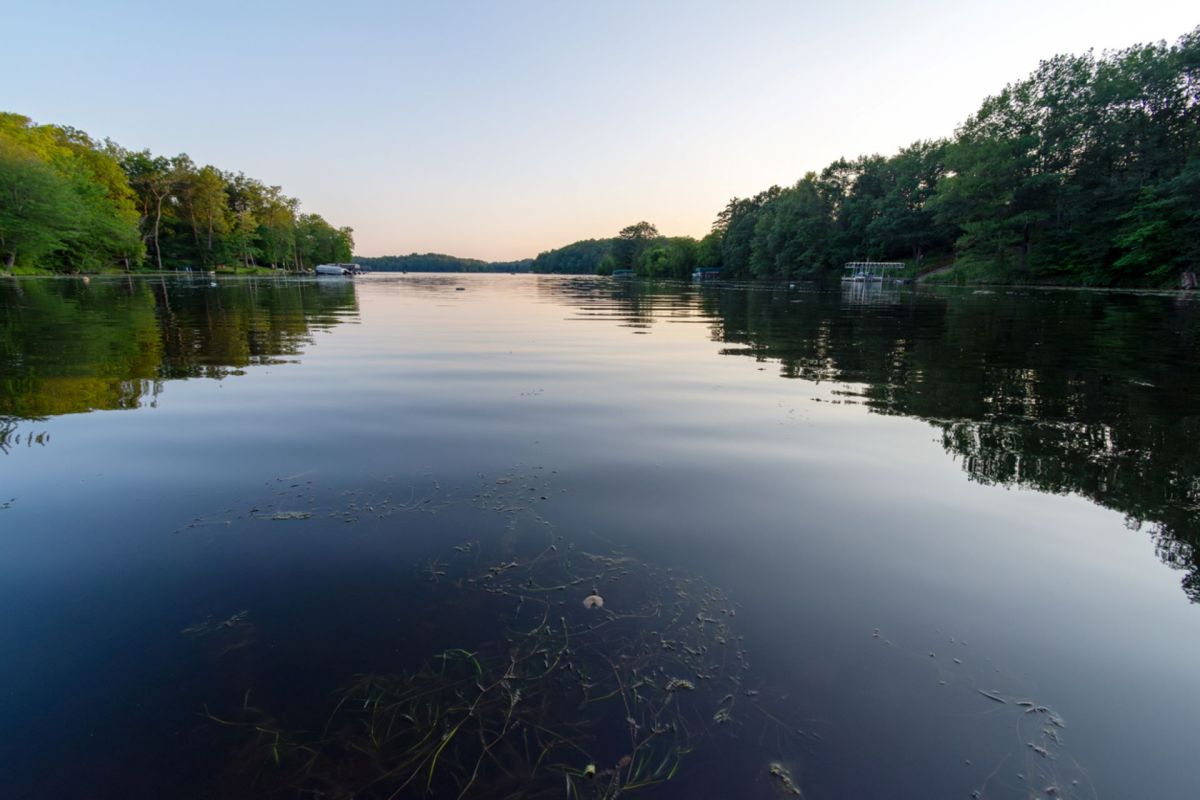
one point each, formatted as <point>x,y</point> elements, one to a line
<point>36,272</point>
<point>965,275</point>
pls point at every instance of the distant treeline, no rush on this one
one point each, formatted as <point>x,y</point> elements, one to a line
<point>69,203</point>
<point>1086,172</point>
<point>639,247</point>
<point>439,262</point>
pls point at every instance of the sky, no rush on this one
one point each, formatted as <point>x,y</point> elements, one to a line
<point>496,130</point>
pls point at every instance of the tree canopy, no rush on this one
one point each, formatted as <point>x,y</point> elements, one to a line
<point>1085,172</point>
<point>69,204</point>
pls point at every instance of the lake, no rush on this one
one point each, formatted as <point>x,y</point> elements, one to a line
<point>533,536</point>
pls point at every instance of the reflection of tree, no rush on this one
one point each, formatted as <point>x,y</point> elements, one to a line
<point>630,303</point>
<point>1148,477</point>
<point>1064,392</point>
<point>67,346</point>
<point>234,325</point>
<point>1059,392</point>
<point>8,433</point>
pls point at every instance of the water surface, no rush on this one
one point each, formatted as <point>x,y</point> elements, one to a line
<point>931,542</point>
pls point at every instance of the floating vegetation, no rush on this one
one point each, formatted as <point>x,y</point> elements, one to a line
<point>783,780</point>
<point>235,632</point>
<point>299,496</point>
<point>207,625</point>
<point>1043,766</point>
<point>286,515</point>
<point>563,697</point>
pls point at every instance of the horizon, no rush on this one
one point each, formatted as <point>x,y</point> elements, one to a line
<point>496,134</point>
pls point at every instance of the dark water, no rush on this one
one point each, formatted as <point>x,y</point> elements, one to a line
<point>898,544</point>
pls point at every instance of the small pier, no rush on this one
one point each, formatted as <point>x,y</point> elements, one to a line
<point>867,271</point>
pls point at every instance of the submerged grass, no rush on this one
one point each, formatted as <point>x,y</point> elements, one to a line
<point>591,700</point>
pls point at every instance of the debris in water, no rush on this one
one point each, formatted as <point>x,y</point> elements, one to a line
<point>593,601</point>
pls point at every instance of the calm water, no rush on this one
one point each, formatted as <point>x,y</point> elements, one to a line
<point>898,544</point>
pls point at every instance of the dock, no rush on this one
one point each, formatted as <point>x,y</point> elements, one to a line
<point>866,271</point>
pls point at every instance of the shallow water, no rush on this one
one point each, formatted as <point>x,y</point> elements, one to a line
<point>924,507</point>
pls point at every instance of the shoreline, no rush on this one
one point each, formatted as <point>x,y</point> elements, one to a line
<point>267,272</point>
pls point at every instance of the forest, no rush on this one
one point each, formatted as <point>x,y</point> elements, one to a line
<point>1087,172</point>
<point>69,203</point>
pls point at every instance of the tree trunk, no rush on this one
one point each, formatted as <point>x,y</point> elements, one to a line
<point>157,220</point>
<point>195,228</point>
<point>10,259</point>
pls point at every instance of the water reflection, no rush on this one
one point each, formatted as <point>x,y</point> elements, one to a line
<point>67,346</point>
<point>249,547</point>
<point>872,293</point>
<point>1062,392</point>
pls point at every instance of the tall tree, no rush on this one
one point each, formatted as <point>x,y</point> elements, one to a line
<point>631,242</point>
<point>153,178</point>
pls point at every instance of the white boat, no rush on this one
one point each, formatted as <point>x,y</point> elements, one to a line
<point>338,269</point>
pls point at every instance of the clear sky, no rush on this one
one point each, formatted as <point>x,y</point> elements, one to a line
<point>498,129</point>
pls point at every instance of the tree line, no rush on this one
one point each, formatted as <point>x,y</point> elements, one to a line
<point>439,262</point>
<point>69,203</point>
<point>1085,172</point>
<point>638,247</point>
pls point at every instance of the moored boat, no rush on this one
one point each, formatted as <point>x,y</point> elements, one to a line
<point>338,269</point>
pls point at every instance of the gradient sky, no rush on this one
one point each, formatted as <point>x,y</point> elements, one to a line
<point>496,130</point>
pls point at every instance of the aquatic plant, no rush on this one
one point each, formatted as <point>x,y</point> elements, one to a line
<point>588,699</point>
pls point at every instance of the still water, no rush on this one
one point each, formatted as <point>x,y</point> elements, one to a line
<point>518,536</point>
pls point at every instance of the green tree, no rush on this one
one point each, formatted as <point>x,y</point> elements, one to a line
<point>58,179</point>
<point>38,211</point>
<point>631,242</point>
<point>153,178</point>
